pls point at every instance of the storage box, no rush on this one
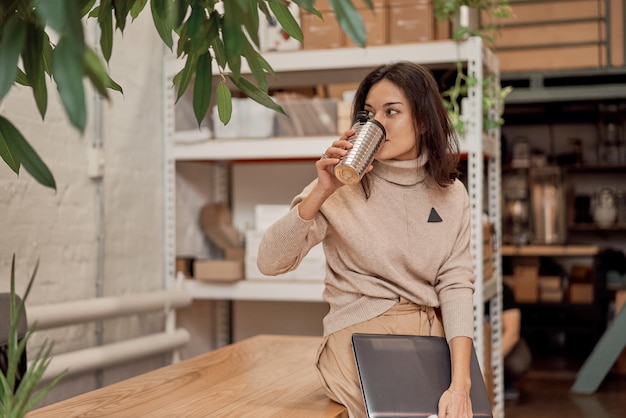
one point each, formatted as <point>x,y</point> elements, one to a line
<point>526,279</point>
<point>581,292</point>
<point>322,33</point>
<point>411,22</point>
<point>306,117</point>
<point>184,265</point>
<point>552,36</point>
<point>550,289</point>
<point>375,22</point>
<point>218,270</point>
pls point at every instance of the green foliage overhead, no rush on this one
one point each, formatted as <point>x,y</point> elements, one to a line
<point>209,35</point>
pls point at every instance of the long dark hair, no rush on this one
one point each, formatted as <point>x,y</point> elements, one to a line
<point>430,118</point>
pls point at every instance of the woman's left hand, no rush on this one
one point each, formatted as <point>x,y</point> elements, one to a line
<point>455,404</point>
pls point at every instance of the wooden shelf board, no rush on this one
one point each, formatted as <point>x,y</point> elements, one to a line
<point>550,250</point>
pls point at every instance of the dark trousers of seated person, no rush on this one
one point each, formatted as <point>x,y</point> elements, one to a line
<point>517,363</point>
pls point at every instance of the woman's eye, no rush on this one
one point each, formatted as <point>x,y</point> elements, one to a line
<point>392,111</point>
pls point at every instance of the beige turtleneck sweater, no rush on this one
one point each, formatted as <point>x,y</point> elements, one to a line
<point>384,247</point>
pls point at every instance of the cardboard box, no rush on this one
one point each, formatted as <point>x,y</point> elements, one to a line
<point>543,36</point>
<point>412,22</point>
<point>550,289</point>
<point>322,33</point>
<point>526,280</point>
<point>184,265</point>
<point>581,292</point>
<point>375,22</point>
<point>218,270</point>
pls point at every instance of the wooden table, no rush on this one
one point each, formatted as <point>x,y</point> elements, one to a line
<point>263,376</point>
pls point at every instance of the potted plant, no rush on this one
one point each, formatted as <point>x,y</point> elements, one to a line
<point>474,18</point>
<point>19,393</point>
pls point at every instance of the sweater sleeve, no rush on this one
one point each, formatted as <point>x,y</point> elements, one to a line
<point>286,242</point>
<point>455,282</point>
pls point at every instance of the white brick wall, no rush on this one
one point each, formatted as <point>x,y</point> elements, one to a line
<point>61,229</point>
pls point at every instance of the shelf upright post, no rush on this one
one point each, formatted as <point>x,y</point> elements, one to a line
<point>169,176</point>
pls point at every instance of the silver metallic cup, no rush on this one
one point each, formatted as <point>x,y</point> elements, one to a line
<point>365,144</point>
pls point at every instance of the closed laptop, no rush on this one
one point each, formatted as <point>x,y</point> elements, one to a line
<point>405,375</point>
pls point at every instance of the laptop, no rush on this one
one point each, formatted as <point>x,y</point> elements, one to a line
<point>405,375</point>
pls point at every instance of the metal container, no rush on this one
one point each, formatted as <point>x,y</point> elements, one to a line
<point>366,143</point>
<point>548,206</point>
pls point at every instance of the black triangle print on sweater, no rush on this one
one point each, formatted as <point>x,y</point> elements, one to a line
<point>434,216</point>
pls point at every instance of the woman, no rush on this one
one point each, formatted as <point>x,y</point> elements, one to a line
<point>396,245</point>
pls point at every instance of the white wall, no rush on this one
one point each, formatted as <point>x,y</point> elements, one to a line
<point>61,229</point>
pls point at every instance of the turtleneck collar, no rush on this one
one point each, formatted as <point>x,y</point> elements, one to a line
<point>401,172</point>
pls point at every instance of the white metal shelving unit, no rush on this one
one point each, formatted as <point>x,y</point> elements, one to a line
<point>350,64</point>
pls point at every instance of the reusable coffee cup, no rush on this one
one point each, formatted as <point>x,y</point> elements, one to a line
<point>366,142</point>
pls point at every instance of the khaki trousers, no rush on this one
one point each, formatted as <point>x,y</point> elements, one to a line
<point>335,359</point>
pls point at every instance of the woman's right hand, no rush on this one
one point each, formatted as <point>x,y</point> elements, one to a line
<point>325,166</point>
<point>327,183</point>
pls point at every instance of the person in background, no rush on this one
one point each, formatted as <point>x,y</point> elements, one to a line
<point>516,354</point>
<point>396,244</point>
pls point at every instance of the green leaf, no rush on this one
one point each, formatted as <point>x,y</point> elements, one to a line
<point>224,102</point>
<point>137,7</point>
<point>256,94</point>
<point>350,21</point>
<point>52,13</point>
<point>257,65</point>
<point>47,54</point>
<point>12,37</point>
<point>24,154</point>
<point>202,87</point>
<point>98,74</point>
<point>34,66</point>
<point>250,20</point>
<point>67,66</point>
<point>218,46</point>
<point>85,6</point>
<point>286,19</point>
<point>307,5</point>
<point>232,33</point>
<point>122,8</point>
<point>21,78</point>
<point>7,155</point>
<point>194,25</point>
<point>106,33</point>
<point>159,16</point>
<point>186,74</point>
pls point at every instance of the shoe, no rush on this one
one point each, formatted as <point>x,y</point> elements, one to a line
<point>511,394</point>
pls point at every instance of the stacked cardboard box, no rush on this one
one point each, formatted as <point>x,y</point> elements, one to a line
<point>526,279</point>
<point>389,22</point>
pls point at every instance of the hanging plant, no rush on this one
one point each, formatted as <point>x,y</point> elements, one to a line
<point>485,14</point>
<point>220,32</point>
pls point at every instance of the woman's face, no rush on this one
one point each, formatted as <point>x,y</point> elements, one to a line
<point>387,104</point>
